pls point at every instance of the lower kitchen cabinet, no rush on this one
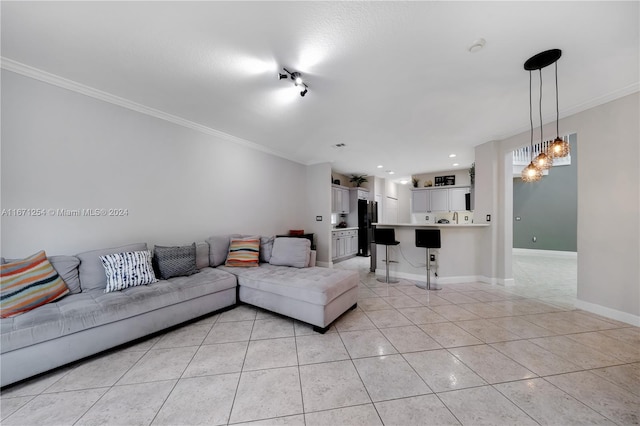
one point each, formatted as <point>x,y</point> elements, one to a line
<point>344,243</point>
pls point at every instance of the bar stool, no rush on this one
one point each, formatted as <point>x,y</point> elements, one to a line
<point>385,237</point>
<point>428,238</point>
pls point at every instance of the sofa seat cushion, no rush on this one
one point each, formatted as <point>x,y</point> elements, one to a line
<point>314,285</point>
<point>94,308</point>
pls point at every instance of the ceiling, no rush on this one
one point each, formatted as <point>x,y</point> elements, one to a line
<point>393,81</point>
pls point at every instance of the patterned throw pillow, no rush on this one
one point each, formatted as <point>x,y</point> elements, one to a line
<point>244,252</point>
<point>128,269</point>
<point>176,261</point>
<point>29,283</point>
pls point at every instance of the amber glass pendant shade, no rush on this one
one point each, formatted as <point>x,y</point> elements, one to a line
<point>531,173</point>
<point>559,148</point>
<point>543,161</point>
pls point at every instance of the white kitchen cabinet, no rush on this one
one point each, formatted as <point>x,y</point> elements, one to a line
<point>439,200</point>
<point>344,243</point>
<point>457,199</point>
<point>339,200</point>
<point>420,201</point>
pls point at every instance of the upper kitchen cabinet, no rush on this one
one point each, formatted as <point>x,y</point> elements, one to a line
<point>425,200</point>
<point>439,200</point>
<point>339,199</point>
<point>420,201</point>
<point>457,198</point>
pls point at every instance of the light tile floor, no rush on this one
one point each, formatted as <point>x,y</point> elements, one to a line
<point>468,354</point>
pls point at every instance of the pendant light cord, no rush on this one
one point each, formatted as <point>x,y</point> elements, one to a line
<point>557,107</point>
<point>531,117</point>
<point>540,106</point>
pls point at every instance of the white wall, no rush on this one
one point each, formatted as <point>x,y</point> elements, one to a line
<point>608,209</point>
<point>318,203</point>
<point>462,177</point>
<point>61,149</point>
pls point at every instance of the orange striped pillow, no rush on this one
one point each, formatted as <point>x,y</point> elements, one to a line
<point>29,283</point>
<point>244,252</point>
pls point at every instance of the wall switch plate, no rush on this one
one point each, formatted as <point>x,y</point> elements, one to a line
<point>318,218</point>
<point>432,257</point>
<point>518,219</point>
<point>488,218</point>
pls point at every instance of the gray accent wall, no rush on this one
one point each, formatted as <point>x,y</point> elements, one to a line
<point>548,209</point>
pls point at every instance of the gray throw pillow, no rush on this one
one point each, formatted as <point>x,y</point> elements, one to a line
<point>175,261</point>
<point>291,252</point>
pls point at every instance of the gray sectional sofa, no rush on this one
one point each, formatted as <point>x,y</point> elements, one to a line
<point>89,321</point>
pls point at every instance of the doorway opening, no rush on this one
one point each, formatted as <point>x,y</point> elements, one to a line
<point>544,261</point>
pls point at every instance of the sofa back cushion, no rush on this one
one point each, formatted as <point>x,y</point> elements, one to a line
<point>291,252</point>
<point>91,270</point>
<point>202,254</point>
<point>266,247</point>
<point>67,268</point>
<point>219,248</point>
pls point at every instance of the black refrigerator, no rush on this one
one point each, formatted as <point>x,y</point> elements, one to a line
<point>367,214</point>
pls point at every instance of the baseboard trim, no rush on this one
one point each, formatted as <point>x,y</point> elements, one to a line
<point>608,312</point>
<point>506,282</point>
<point>325,264</point>
<point>434,280</point>
<point>546,253</point>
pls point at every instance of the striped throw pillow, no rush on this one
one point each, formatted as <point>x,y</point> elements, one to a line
<point>128,269</point>
<point>244,252</point>
<point>29,283</point>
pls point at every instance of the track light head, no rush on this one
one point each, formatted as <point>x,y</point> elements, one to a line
<point>297,78</point>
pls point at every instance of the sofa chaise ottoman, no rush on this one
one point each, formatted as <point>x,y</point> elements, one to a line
<point>286,284</point>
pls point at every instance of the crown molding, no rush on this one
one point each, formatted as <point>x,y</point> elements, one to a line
<point>56,80</point>
<point>575,109</point>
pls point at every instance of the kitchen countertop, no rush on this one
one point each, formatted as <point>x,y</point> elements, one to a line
<point>344,229</point>
<point>434,225</point>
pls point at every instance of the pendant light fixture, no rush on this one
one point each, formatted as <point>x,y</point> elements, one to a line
<point>531,173</point>
<point>543,161</point>
<point>558,148</point>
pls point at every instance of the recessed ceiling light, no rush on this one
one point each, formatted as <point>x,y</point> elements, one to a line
<point>404,182</point>
<point>391,172</point>
<point>452,155</point>
<point>455,164</point>
<point>380,166</point>
<point>477,45</point>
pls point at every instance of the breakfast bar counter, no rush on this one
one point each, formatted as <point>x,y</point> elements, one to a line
<point>457,260</point>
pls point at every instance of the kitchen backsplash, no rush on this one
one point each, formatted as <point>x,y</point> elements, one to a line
<point>464,217</point>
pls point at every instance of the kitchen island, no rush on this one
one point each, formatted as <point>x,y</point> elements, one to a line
<point>456,262</point>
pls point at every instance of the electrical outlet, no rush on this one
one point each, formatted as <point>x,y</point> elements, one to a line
<point>318,218</point>
<point>488,218</point>
<point>432,257</point>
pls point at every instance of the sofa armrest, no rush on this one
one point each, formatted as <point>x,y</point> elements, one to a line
<point>312,259</point>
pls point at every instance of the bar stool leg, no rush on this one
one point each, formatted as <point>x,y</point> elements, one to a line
<point>435,286</point>
<point>387,279</point>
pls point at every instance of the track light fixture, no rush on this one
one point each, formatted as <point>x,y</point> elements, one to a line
<point>297,80</point>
